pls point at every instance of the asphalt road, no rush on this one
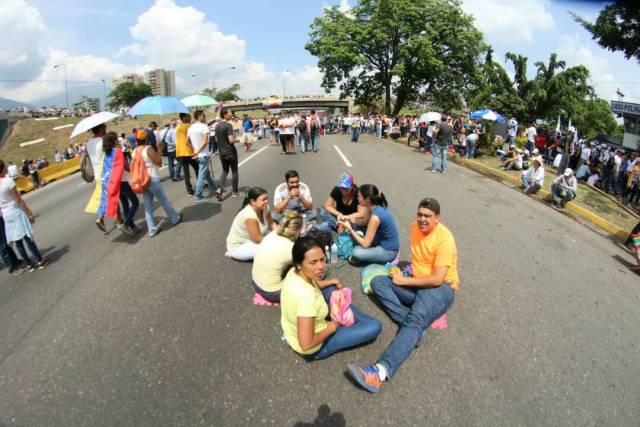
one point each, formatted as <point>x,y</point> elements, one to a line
<point>161,331</point>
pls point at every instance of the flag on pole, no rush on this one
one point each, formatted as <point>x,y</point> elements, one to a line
<point>558,126</point>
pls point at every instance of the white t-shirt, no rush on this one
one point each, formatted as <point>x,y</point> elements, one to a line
<point>152,169</point>
<point>272,255</point>
<point>282,191</point>
<point>198,133</point>
<point>7,202</point>
<point>238,234</point>
<point>94,150</point>
<point>12,171</point>
<point>593,179</point>
<point>531,134</point>
<point>586,152</point>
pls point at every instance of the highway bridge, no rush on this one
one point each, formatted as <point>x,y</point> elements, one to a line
<point>329,104</point>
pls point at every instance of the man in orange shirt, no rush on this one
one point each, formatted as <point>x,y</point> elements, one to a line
<point>414,302</point>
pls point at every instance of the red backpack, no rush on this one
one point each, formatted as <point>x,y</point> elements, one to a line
<point>139,178</point>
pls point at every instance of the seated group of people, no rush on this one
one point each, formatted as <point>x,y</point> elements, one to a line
<point>290,268</point>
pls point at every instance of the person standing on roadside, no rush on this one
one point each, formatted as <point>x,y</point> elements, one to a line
<point>184,151</point>
<point>7,255</point>
<point>531,132</point>
<point>199,140</point>
<point>313,131</point>
<point>247,126</point>
<point>169,138</point>
<point>444,138</point>
<point>227,152</point>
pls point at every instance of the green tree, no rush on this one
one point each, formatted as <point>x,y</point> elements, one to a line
<point>127,94</point>
<point>407,49</point>
<point>594,116</point>
<point>224,94</point>
<point>616,28</point>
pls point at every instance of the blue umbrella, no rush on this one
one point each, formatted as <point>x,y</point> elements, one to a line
<point>158,105</point>
<point>487,115</point>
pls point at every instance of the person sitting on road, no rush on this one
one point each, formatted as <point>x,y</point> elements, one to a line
<point>414,302</point>
<point>564,188</point>
<point>304,307</point>
<point>381,242</point>
<point>513,160</point>
<point>533,178</point>
<point>273,254</point>
<point>342,203</point>
<point>250,225</point>
<point>292,195</point>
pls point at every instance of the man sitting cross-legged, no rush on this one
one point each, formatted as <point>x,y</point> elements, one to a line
<point>414,302</point>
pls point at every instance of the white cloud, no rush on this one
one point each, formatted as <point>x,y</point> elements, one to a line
<point>510,23</point>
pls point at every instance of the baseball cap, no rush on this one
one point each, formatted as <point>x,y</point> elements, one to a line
<point>568,172</point>
<point>141,134</point>
<point>345,180</point>
<point>535,151</point>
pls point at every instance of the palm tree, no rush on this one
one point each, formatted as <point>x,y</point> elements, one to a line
<point>546,73</point>
<point>520,66</point>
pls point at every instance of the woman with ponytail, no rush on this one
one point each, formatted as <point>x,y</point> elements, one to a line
<point>250,225</point>
<point>381,243</point>
<point>304,307</point>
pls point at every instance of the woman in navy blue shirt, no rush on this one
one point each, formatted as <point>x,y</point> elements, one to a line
<point>381,242</point>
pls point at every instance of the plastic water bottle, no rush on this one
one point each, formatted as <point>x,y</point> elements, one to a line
<point>304,224</point>
<point>327,254</point>
<point>334,253</point>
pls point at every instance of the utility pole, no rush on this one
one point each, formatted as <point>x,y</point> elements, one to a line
<point>66,86</point>
<point>284,83</point>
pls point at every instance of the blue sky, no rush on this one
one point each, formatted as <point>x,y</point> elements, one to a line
<point>97,40</point>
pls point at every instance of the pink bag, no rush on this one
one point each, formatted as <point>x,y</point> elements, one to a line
<point>339,306</point>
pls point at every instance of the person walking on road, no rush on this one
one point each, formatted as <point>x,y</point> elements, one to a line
<point>7,255</point>
<point>199,140</point>
<point>152,161</point>
<point>168,137</point>
<point>184,151</point>
<point>17,218</point>
<point>414,302</point>
<point>313,131</point>
<point>443,139</point>
<point>228,153</point>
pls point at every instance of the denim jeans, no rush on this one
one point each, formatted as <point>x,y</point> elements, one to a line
<point>442,151</point>
<point>204,174</point>
<point>562,195</point>
<point>372,255</point>
<point>364,330</point>
<point>471,150</point>
<point>175,166</point>
<point>7,255</point>
<point>302,140</point>
<point>315,141</point>
<point>532,187</point>
<point>413,310</point>
<point>32,247</point>
<point>155,189</point>
<point>355,134</point>
<point>129,202</point>
<point>329,219</point>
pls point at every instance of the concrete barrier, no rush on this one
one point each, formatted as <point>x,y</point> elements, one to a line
<point>48,174</point>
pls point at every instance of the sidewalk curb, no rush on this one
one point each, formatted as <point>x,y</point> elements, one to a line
<point>574,209</point>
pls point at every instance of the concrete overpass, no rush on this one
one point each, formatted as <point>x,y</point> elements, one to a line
<point>330,104</point>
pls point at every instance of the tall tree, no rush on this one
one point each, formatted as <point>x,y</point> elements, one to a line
<point>127,94</point>
<point>410,49</point>
<point>616,28</point>
<point>546,72</point>
<point>224,94</point>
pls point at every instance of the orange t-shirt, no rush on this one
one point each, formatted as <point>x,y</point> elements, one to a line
<point>436,249</point>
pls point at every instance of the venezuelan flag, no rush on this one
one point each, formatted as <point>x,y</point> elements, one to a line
<point>111,177</point>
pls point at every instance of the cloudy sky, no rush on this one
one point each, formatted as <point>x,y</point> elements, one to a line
<point>98,40</point>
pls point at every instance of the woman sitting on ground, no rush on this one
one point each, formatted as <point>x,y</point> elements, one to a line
<point>342,203</point>
<point>273,254</point>
<point>513,160</point>
<point>381,243</point>
<point>250,225</point>
<point>304,307</point>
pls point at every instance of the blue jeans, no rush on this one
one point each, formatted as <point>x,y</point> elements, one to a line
<point>7,255</point>
<point>532,187</point>
<point>355,134</point>
<point>155,189</point>
<point>413,310</point>
<point>442,151</point>
<point>302,142</point>
<point>204,174</point>
<point>471,150</point>
<point>32,247</point>
<point>315,141</point>
<point>174,172</point>
<point>129,202</point>
<point>372,255</point>
<point>364,330</point>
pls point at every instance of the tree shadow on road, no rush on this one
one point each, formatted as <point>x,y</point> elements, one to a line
<point>201,211</point>
<point>325,419</point>
<point>54,255</point>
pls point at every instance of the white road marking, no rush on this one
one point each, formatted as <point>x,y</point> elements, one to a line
<point>252,156</point>
<point>344,158</point>
<point>35,141</point>
<point>63,126</point>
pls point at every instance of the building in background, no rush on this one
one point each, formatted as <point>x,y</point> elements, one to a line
<point>163,83</point>
<point>630,113</point>
<point>87,103</point>
<point>127,78</point>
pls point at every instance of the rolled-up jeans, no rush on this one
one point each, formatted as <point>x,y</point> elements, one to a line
<point>413,309</point>
<point>364,330</point>
<point>373,255</point>
<point>155,189</point>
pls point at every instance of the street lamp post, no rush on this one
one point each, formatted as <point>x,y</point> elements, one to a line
<point>215,76</point>
<point>284,81</point>
<point>66,86</point>
<point>104,94</point>
<point>195,76</point>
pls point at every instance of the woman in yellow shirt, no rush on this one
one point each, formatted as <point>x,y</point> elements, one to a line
<point>305,312</point>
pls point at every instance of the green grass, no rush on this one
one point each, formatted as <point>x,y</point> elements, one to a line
<point>587,197</point>
<point>30,129</point>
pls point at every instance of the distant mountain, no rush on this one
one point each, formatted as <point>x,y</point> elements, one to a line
<point>8,103</point>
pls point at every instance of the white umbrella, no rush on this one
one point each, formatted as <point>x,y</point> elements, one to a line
<point>430,117</point>
<point>91,122</point>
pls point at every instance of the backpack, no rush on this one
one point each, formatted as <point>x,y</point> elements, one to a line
<point>345,245</point>
<point>302,126</point>
<point>86,168</point>
<point>139,178</point>
<point>314,125</point>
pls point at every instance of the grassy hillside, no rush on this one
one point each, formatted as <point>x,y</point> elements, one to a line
<point>31,129</point>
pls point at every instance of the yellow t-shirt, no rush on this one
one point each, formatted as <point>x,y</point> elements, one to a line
<point>238,234</point>
<point>272,255</point>
<point>436,249</point>
<point>182,142</point>
<point>301,299</point>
